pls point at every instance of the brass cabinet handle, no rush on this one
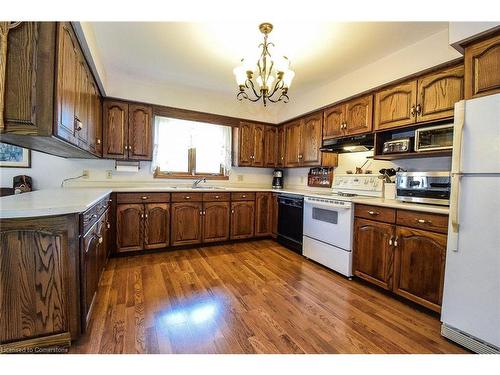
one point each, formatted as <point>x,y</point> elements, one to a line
<point>142,216</point>
<point>201,212</point>
<point>98,141</point>
<point>390,240</point>
<point>217,197</point>
<point>412,111</point>
<point>244,196</point>
<point>146,216</point>
<point>419,109</point>
<point>374,213</point>
<point>423,221</point>
<point>396,241</point>
<point>78,124</point>
<point>144,197</point>
<point>187,197</point>
<point>232,211</point>
<point>108,225</point>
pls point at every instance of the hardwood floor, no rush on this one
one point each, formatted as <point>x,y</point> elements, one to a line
<point>254,297</point>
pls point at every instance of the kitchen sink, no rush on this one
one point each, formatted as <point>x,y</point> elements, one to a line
<point>208,187</point>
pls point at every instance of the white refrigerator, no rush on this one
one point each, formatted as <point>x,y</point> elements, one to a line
<point>471,300</point>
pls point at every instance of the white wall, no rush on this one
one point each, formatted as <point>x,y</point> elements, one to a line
<point>422,55</point>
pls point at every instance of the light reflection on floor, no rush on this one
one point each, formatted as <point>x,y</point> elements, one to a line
<point>196,313</point>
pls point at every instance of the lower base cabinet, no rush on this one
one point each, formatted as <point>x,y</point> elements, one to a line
<point>156,225</point>
<point>129,227</point>
<point>242,219</point>
<point>407,261</point>
<point>263,214</point>
<point>274,220</point>
<point>216,221</point>
<point>186,223</point>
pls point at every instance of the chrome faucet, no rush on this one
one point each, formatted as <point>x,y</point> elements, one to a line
<point>197,182</point>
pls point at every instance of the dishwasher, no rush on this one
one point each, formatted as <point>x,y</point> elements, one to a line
<point>290,221</point>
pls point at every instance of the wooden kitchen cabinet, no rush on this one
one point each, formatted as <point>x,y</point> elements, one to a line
<point>419,266</point>
<point>47,101</point>
<point>350,118</point>
<point>216,217</point>
<point>271,146</point>
<point>156,225</point>
<point>186,223</point>
<point>91,270</point>
<point>263,214</point>
<point>274,220</point>
<point>129,227</point>
<point>127,131</point>
<point>482,67</point>
<point>395,106</point>
<point>438,92</point>
<point>242,219</point>
<point>310,140</point>
<point>251,149</point>
<point>401,250</point>
<point>293,134</point>
<point>373,252</point>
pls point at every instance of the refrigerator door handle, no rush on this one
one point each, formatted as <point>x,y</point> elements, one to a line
<point>456,162</point>
<point>455,196</point>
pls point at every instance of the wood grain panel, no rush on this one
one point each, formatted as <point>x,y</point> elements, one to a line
<point>156,225</point>
<point>129,227</point>
<point>271,146</point>
<point>186,223</point>
<point>423,220</point>
<point>393,106</point>
<point>245,196</point>
<point>419,266</point>
<point>263,214</point>
<point>144,197</point>
<point>213,197</point>
<point>293,135</point>
<point>384,214</point>
<point>115,129</point>
<point>187,197</point>
<point>280,162</point>
<point>359,115</point>
<point>258,159</point>
<point>242,219</point>
<point>482,68</point>
<point>140,138</point>
<point>333,119</point>
<point>216,221</point>
<point>245,144</point>
<point>311,140</point>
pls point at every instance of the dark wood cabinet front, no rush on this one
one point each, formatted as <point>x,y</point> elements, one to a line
<point>274,223</point>
<point>280,161</point>
<point>373,252</point>
<point>396,106</point>
<point>186,223</point>
<point>129,227</point>
<point>139,132</point>
<point>216,221</point>
<point>258,146</point>
<point>115,128</point>
<point>156,225</point>
<point>293,133</point>
<point>311,140</point>
<point>263,214</point>
<point>333,122</point>
<point>251,145</point>
<point>242,219</point>
<point>419,266</point>
<point>358,115</point>
<point>271,146</point>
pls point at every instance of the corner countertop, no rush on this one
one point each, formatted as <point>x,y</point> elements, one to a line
<point>50,202</point>
<point>69,200</point>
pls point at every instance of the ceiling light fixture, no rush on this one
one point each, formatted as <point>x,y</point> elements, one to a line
<point>273,77</point>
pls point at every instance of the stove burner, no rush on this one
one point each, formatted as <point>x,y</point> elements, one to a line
<point>340,194</point>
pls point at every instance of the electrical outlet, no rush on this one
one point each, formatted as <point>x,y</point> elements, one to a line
<point>240,178</point>
<point>301,179</point>
<point>85,173</point>
<point>109,174</point>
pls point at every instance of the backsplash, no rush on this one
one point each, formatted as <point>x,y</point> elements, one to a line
<point>48,171</point>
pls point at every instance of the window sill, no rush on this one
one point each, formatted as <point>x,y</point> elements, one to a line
<point>187,176</point>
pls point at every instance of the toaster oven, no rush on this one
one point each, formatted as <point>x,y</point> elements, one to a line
<point>424,187</point>
<point>395,146</point>
<point>434,138</point>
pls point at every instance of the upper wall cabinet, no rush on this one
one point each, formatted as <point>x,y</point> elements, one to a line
<point>271,146</point>
<point>482,68</point>
<point>250,145</point>
<point>429,98</point>
<point>52,102</point>
<point>351,118</point>
<point>127,131</point>
<point>303,141</point>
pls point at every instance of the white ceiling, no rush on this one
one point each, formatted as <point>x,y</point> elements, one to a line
<point>203,55</point>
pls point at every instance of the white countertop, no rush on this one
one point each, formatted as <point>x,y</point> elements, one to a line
<point>50,202</point>
<point>74,200</point>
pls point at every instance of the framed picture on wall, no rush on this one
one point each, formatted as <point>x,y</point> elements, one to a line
<point>14,156</point>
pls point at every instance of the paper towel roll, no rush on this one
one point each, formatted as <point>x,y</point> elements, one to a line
<point>127,168</point>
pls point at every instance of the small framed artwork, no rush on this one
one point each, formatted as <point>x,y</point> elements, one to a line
<point>14,156</point>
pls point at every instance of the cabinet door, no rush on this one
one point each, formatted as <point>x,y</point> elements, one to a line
<point>333,121</point>
<point>82,104</point>
<point>359,115</point>
<point>242,219</point>
<point>91,118</point>
<point>115,130</point>
<point>373,252</point>
<point>280,162</point>
<point>258,158</point>
<point>186,223</point>
<point>395,106</point>
<point>90,269</point>
<point>274,225</point>
<point>292,144</point>
<point>96,121</point>
<point>245,144</point>
<point>102,252</point>
<point>129,227</point>
<point>482,68</point>
<point>67,75</point>
<point>263,214</point>
<point>438,93</point>
<point>311,140</point>
<point>419,266</point>
<point>215,221</point>
<point>271,146</point>
<point>156,225</point>
<point>140,132</point>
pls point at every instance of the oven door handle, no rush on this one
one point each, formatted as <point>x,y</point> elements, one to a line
<point>329,205</point>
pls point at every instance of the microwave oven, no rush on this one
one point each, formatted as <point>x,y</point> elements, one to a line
<point>434,138</point>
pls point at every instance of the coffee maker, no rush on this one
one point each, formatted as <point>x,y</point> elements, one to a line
<point>278,179</point>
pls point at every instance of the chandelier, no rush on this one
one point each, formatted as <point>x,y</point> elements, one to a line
<point>273,76</point>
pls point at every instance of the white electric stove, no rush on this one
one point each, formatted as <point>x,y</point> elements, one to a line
<point>328,222</point>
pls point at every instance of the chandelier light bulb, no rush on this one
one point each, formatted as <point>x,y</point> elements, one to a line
<point>288,78</point>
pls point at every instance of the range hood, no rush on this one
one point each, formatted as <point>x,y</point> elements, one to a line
<point>356,143</point>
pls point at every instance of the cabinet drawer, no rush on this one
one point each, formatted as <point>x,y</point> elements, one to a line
<point>384,214</point>
<point>91,216</point>
<point>423,220</point>
<point>143,197</point>
<point>213,197</point>
<point>243,196</point>
<point>187,197</point>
